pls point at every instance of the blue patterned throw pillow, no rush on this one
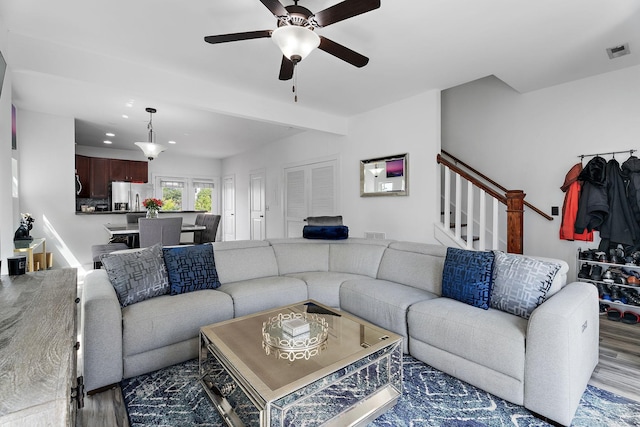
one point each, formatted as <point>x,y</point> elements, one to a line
<point>191,268</point>
<point>520,284</point>
<point>137,275</point>
<point>467,276</point>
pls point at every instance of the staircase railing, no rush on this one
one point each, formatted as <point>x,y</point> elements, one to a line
<point>487,215</point>
<point>495,184</point>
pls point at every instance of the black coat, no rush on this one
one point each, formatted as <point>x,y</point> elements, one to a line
<point>631,176</point>
<point>620,225</point>
<point>593,205</point>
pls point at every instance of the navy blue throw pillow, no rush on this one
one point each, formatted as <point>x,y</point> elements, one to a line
<point>327,232</point>
<point>191,268</point>
<point>467,276</point>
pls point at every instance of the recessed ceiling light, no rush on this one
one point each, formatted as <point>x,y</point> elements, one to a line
<point>124,116</point>
<point>110,134</point>
<point>107,142</point>
<point>171,142</point>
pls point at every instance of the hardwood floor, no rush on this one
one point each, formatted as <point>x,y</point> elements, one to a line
<point>618,372</point>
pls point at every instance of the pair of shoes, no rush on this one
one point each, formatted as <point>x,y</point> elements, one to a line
<point>630,317</point>
<point>616,295</point>
<point>585,271</point>
<point>614,314</point>
<point>589,255</point>
<point>604,292</point>
<point>631,296</point>
<point>596,273</point>
<point>603,308</point>
<point>633,281</point>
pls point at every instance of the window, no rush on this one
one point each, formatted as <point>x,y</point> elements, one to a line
<point>186,194</point>
<point>203,195</point>
<point>172,195</point>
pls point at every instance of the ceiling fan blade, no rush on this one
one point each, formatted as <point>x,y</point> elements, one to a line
<point>286,69</point>
<point>223,38</point>
<point>275,7</point>
<point>344,10</point>
<point>344,53</point>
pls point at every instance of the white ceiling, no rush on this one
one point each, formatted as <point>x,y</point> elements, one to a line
<point>88,59</point>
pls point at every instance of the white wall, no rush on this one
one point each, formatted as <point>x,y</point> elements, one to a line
<point>7,220</point>
<point>530,141</point>
<point>411,125</point>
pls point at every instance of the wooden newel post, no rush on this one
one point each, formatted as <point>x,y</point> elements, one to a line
<point>515,221</point>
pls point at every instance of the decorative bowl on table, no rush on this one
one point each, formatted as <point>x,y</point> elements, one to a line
<point>295,336</point>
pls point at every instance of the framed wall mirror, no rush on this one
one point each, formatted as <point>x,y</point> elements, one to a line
<point>385,176</point>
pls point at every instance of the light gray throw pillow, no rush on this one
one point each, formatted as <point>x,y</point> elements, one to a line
<point>520,284</point>
<point>324,220</point>
<point>137,276</point>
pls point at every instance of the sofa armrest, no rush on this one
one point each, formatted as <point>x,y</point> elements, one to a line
<point>101,332</point>
<point>561,351</point>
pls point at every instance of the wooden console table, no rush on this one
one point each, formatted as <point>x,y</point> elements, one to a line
<point>39,384</point>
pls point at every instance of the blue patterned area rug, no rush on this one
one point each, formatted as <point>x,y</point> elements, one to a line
<point>174,397</point>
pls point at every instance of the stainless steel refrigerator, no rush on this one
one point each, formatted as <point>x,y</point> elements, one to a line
<point>128,196</point>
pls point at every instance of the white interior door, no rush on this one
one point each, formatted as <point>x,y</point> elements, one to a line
<point>310,190</point>
<point>229,208</point>
<point>257,205</point>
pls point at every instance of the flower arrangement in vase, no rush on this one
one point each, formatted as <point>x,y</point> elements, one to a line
<point>153,206</point>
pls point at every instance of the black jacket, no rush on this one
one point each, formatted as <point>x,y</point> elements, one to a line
<point>631,176</point>
<point>620,225</point>
<point>593,205</point>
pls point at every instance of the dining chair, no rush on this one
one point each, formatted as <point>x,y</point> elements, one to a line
<point>133,240</point>
<point>211,222</point>
<point>159,230</point>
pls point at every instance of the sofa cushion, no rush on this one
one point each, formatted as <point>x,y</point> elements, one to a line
<point>355,258</point>
<point>490,338</point>
<point>190,268</point>
<point>252,296</point>
<point>167,319</point>
<point>520,284</point>
<point>301,257</point>
<point>467,276</point>
<point>382,303</point>
<point>419,266</point>
<point>245,263</point>
<point>138,275</point>
<point>324,286</point>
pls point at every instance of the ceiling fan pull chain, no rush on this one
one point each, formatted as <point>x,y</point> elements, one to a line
<point>295,83</point>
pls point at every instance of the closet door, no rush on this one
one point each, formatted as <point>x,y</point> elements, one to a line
<point>310,190</point>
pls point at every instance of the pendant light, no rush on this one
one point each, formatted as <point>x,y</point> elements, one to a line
<point>150,149</point>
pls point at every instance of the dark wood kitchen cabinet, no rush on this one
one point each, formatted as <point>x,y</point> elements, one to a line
<point>99,181</point>
<point>83,176</point>
<point>128,170</point>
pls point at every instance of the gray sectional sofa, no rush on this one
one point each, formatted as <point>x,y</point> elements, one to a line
<point>543,362</point>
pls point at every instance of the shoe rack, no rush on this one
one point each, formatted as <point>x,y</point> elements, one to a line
<point>618,282</point>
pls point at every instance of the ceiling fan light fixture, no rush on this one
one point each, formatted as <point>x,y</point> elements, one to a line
<point>150,149</point>
<point>295,42</point>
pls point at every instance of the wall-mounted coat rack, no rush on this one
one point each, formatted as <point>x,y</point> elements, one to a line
<point>582,156</point>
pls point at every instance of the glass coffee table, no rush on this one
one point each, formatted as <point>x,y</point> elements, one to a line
<point>300,364</point>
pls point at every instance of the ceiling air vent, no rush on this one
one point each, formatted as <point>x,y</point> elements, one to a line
<point>617,51</point>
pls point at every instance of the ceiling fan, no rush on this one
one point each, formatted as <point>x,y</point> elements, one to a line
<point>295,33</point>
